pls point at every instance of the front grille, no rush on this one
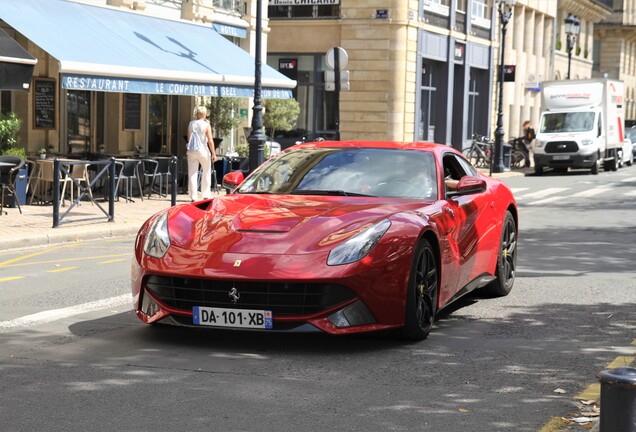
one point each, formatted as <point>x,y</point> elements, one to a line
<point>283,299</point>
<point>561,147</point>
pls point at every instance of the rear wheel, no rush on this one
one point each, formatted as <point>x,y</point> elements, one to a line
<point>506,260</point>
<point>421,293</point>
<point>595,167</point>
<point>538,170</point>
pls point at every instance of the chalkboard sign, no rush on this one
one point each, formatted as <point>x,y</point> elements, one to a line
<point>44,103</point>
<point>132,111</point>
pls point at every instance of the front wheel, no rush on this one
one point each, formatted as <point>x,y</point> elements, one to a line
<point>506,260</point>
<point>421,293</point>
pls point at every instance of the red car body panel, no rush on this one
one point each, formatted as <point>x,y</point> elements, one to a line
<point>289,237</point>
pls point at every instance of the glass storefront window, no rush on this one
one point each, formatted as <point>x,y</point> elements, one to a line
<point>157,123</point>
<point>428,104</point>
<point>78,124</point>
<point>303,12</point>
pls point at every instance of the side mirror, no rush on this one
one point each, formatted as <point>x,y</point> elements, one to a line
<point>233,179</point>
<point>468,185</point>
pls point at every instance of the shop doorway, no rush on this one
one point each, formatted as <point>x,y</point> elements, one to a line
<point>158,124</point>
<point>78,122</point>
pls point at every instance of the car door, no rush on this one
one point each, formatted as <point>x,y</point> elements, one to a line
<point>471,213</point>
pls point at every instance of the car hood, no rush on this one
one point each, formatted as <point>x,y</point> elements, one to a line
<point>276,224</point>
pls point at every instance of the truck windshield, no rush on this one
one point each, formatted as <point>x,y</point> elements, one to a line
<point>567,122</point>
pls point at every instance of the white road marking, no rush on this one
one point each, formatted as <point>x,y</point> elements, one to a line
<point>629,179</point>
<point>58,314</point>
<point>592,192</point>
<point>543,193</point>
<point>517,190</point>
<point>545,201</point>
<point>630,193</point>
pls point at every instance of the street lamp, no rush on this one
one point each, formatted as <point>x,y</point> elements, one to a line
<point>505,8</point>
<point>257,138</point>
<point>572,29</point>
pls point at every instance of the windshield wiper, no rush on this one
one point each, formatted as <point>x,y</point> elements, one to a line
<point>334,192</point>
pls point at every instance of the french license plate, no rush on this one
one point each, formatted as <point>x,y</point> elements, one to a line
<point>561,157</point>
<point>238,318</point>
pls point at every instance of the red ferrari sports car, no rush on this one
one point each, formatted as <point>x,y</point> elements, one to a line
<point>340,237</point>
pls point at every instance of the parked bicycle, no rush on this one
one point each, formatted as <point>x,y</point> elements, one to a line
<point>520,154</point>
<point>480,151</point>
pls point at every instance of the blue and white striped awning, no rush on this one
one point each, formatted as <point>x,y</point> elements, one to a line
<point>109,49</point>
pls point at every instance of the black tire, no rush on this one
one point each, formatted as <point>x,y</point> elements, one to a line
<point>506,260</point>
<point>518,159</point>
<point>595,167</point>
<point>421,293</point>
<point>538,170</point>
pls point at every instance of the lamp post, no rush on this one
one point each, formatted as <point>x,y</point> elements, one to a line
<point>505,8</point>
<point>572,29</point>
<point>257,138</point>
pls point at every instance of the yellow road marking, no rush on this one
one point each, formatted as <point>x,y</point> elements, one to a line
<point>111,261</point>
<point>62,260</point>
<point>593,391</point>
<point>555,424</point>
<point>10,278</point>
<point>23,257</point>
<point>62,269</point>
<point>634,342</point>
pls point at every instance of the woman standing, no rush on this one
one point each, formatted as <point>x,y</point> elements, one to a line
<point>200,150</point>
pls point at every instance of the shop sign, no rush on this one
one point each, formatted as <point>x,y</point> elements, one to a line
<point>229,30</point>
<point>303,2</point>
<point>132,85</point>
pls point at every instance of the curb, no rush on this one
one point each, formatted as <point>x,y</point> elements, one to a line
<point>67,236</point>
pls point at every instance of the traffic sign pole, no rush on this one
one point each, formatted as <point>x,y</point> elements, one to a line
<point>336,111</point>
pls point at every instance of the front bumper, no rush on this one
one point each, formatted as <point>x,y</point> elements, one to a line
<point>565,160</point>
<point>366,283</point>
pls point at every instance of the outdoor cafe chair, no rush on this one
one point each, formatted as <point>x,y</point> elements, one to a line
<point>44,180</point>
<point>149,172</point>
<point>79,176</point>
<point>9,168</point>
<point>128,171</point>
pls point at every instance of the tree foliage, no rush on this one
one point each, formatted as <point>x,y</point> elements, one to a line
<point>280,114</point>
<point>9,126</point>
<point>224,115</point>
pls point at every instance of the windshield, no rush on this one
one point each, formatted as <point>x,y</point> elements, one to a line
<point>567,122</point>
<point>347,172</point>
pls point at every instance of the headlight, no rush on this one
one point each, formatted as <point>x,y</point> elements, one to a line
<point>539,143</point>
<point>158,240</point>
<point>358,246</point>
<point>587,142</point>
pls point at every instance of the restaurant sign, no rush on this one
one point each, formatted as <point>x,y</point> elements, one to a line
<point>303,2</point>
<point>134,85</point>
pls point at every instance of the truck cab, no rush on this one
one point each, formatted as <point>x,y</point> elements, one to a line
<point>581,125</point>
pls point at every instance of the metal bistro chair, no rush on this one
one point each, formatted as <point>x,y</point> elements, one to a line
<point>149,172</point>
<point>128,170</point>
<point>79,176</point>
<point>8,176</point>
<point>164,174</point>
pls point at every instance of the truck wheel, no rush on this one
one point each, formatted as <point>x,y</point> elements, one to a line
<point>595,167</point>
<point>538,170</point>
<point>620,158</point>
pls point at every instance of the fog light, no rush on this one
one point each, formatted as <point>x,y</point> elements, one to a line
<point>148,306</point>
<point>353,315</point>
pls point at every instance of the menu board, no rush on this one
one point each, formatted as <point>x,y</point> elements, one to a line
<point>44,103</point>
<point>132,111</point>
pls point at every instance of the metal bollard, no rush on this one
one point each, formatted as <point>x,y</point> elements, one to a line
<point>618,399</point>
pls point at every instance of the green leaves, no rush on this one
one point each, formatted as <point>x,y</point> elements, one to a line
<point>9,126</point>
<point>280,114</point>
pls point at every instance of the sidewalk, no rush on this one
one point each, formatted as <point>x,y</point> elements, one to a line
<point>34,227</point>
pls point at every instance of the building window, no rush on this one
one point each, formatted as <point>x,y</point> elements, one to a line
<point>304,12</point>
<point>228,5</point>
<point>439,7</point>
<point>480,14</point>
<point>428,100</point>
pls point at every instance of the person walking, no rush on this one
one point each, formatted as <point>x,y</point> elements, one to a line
<point>528,136</point>
<point>200,151</point>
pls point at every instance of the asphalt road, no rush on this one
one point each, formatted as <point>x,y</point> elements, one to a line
<point>73,356</point>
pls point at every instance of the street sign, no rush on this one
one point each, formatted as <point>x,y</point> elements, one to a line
<point>330,80</point>
<point>343,58</point>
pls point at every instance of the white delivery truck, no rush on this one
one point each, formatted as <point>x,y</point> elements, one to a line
<point>582,125</point>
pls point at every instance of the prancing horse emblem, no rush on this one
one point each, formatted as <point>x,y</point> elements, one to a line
<point>234,295</point>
